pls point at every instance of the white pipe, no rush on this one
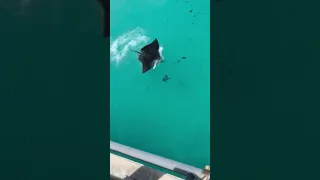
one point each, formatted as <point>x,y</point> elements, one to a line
<point>154,159</point>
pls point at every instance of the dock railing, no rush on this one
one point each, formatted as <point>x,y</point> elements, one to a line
<point>123,168</point>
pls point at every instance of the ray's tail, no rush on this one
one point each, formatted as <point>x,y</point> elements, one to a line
<point>135,51</point>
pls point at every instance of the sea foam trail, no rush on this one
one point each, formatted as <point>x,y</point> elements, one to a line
<point>134,39</point>
<point>120,47</point>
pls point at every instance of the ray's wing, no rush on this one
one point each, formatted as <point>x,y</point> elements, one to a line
<point>151,48</point>
<point>146,66</point>
<point>155,45</point>
<point>147,49</point>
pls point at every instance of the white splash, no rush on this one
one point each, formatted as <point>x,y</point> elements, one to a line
<point>122,45</point>
<point>160,52</point>
<point>158,61</point>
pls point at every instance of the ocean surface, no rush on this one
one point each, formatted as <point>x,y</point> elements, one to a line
<point>168,118</point>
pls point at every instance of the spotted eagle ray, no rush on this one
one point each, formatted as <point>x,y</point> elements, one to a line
<point>149,56</point>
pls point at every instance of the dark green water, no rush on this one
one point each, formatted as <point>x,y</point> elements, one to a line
<point>54,91</point>
<point>265,122</point>
<point>171,118</point>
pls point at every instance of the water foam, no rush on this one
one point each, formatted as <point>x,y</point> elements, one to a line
<point>122,45</point>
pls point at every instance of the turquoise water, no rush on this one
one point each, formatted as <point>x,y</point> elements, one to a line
<point>169,118</point>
